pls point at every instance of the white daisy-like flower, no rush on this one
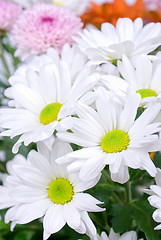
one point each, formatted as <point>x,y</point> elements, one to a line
<point>77,6</point>
<point>116,236</point>
<point>75,59</point>
<point>44,98</point>
<point>29,3</point>
<point>111,136</point>
<point>155,198</point>
<point>143,78</point>
<point>46,189</point>
<point>108,68</point>
<point>128,38</point>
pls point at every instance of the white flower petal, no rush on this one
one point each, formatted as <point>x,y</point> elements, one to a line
<point>91,168</point>
<point>128,115</point>
<point>121,176</point>
<point>86,202</point>
<point>72,216</point>
<point>53,219</point>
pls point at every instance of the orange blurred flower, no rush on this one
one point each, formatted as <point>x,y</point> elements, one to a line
<point>152,16</point>
<point>110,12</point>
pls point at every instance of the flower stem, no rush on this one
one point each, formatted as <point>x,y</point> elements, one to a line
<point>3,58</point>
<point>99,222</point>
<point>2,168</point>
<point>128,191</point>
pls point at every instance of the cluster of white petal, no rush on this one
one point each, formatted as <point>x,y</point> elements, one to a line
<point>115,236</point>
<point>143,75</point>
<point>92,125</point>
<point>29,3</point>
<point>110,43</point>
<point>78,6</point>
<point>155,198</point>
<point>97,86</point>
<point>45,80</point>
<point>27,194</point>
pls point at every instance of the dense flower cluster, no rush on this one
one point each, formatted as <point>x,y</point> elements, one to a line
<point>9,12</point>
<point>44,26</point>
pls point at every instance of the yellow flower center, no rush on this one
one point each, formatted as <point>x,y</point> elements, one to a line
<point>146,93</point>
<point>50,113</point>
<point>60,191</point>
<point>115,141</point>
<point>58,2</point>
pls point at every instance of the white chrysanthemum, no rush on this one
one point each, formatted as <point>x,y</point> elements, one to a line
<point>114,84</point>
<point>46,189</point>
<point>75,59</point>
<point>111,136</point>
<point>77,6</point>
<point>44,98</point>
<point>144,78</point>
<point>29,3</point>
<point>116,236</point>
<point>129,38</point>
<point>155,198</point>
<point>108,68</point>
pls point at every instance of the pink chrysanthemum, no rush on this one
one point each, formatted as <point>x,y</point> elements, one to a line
<point>44,26</point>
<point>9,12</point>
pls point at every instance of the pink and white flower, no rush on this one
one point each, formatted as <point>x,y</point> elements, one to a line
<point>9,12</point>
<point>44,26</point>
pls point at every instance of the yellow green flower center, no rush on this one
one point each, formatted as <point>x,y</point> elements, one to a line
<point>60,191</point>
<point>50,113</point>
<point>146,93</point>
<point>58,2</point>
<point>115,141</point>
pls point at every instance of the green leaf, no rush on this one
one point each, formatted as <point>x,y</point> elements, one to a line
<point>142,214</point>
<point>102,192</point>
<point>75,147</point>
<point>157,159</point>
<point>122,218</point>
<point>139,112</point>
<point>136,174</point>
<point>24,235</point>
<point>4,226</point>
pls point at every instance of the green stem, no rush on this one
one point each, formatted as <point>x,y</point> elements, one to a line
<point>98,222</point>
<point>128,191</point>
<point>107,176</point>
<point>3,58</point>
<point>2,168</point>
<point>117,198</point>
<point>32,228</point>
<point>107,227</point>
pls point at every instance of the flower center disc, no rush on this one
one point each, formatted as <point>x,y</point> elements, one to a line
<point>60,191</point>
<point>115,141</point>
<point>147,93</point>
<point>50,113</point>
<point>47,20</point>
